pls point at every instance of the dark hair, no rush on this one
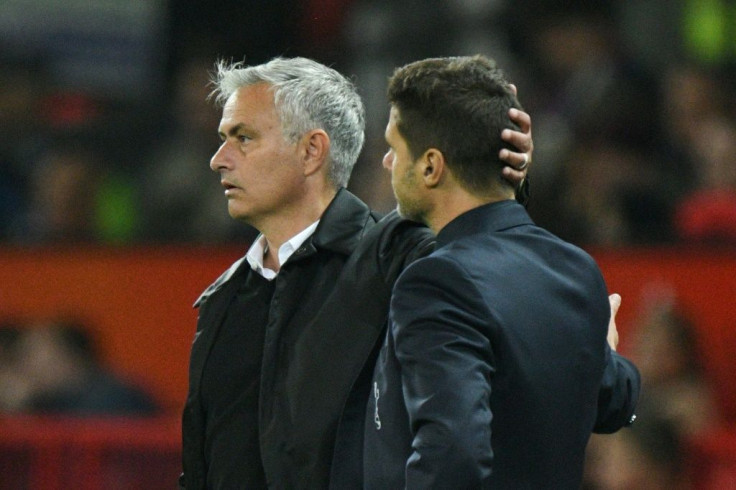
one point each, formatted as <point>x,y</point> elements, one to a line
<point>459,106</point>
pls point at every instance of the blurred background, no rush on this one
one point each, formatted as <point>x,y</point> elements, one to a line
<point>111,221</point>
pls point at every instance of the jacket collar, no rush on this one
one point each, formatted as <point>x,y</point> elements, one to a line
<point>343,223</point>
<point>340,228</point>
<point>496,216</point>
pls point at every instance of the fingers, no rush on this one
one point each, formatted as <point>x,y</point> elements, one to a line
<point>522,119</point>
<point>514,176</point>
<point>612,337</point>
<point>517,160</point>
<point>615,301</point>
<point>521,140</point>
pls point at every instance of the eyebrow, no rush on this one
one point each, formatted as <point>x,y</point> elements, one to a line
<point>234,130</point>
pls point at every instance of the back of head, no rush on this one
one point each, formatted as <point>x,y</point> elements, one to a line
<point>307,95</point>
<point>460,106</point>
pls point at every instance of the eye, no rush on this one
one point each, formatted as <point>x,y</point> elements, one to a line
<point>243,138</point>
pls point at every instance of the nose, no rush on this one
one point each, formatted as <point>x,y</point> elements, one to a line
<point>220,160</point>
<point>388,160</point>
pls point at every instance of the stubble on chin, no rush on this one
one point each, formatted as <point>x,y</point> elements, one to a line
<point>410,214</point>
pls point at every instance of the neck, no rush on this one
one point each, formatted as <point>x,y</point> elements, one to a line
<point>283,226</point>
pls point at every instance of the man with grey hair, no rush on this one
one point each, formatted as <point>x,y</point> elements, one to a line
<point>286,336</point>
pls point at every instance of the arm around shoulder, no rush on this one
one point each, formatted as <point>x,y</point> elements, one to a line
<point>401,242</point>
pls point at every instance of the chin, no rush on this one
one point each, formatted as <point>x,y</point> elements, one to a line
<point>410,214</point>
<point>235,213</point>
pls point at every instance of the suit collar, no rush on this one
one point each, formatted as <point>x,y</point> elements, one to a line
<point>340,228</point>
<point>496,216</point>
<point>342,224</point>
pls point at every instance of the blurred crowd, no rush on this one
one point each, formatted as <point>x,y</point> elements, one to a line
<point>55,367</point>
<point>632,106</point>
<point>678,405</point>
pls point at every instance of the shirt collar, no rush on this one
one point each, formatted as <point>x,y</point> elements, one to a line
<point>259,248</point>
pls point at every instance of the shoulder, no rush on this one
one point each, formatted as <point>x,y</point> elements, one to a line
<point>401,238</point>
<point>390,245</point>
<point>438,294</point>
<point>438,278</point>
<point>438,268</point>
<point>224,277</point>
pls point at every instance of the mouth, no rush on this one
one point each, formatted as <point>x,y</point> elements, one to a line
<point>229,188</point>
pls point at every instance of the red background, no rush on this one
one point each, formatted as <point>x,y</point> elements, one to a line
<point>138,301</point>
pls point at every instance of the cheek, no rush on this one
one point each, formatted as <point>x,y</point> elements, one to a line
<point>396,177</point>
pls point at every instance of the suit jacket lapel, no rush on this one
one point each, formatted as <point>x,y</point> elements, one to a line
<point>212,311</point>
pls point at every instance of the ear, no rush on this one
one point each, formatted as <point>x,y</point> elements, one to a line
<point>315,149</point>
<point>432,167</point>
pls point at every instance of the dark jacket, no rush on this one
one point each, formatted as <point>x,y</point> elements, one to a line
<point>327,313</point>
<point>496,368</point>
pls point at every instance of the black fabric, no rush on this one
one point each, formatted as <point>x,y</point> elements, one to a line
<point>492,371</point>
<point>328,310</point>
<point>297,418</point>
<point>230,388</point>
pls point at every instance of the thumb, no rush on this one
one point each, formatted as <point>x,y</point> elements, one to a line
<point>615,301</point>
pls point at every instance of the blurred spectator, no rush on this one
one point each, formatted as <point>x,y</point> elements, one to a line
<point>667,352</point>
<point>54,369</point>
<point>22,85</point>
<point>571,64</point>
<point>648,458</point>
<point>692,95</point>
<point>702,128</point>
<point>61,197</point>
<point>708,213</point>
<point>677,405</point>
<point>594,138</point>
<point>14,391</point>
<point>73,197</point>
<point>606,196</point>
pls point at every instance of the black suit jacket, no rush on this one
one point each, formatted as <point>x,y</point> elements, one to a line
<point>496,368</point>
<point>328,310</point>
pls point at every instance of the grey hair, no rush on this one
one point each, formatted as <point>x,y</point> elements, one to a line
<point>307,95</point>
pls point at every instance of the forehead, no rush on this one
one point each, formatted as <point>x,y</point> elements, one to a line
<point>251,105</point>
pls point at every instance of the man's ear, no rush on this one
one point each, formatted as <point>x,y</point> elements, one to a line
<point>315,149</point>
<point>432,167</point>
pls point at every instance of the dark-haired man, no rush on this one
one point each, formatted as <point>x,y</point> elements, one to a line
<point>496,367</point>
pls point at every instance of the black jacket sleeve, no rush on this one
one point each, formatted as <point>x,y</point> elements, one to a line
<point>618,395</point>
